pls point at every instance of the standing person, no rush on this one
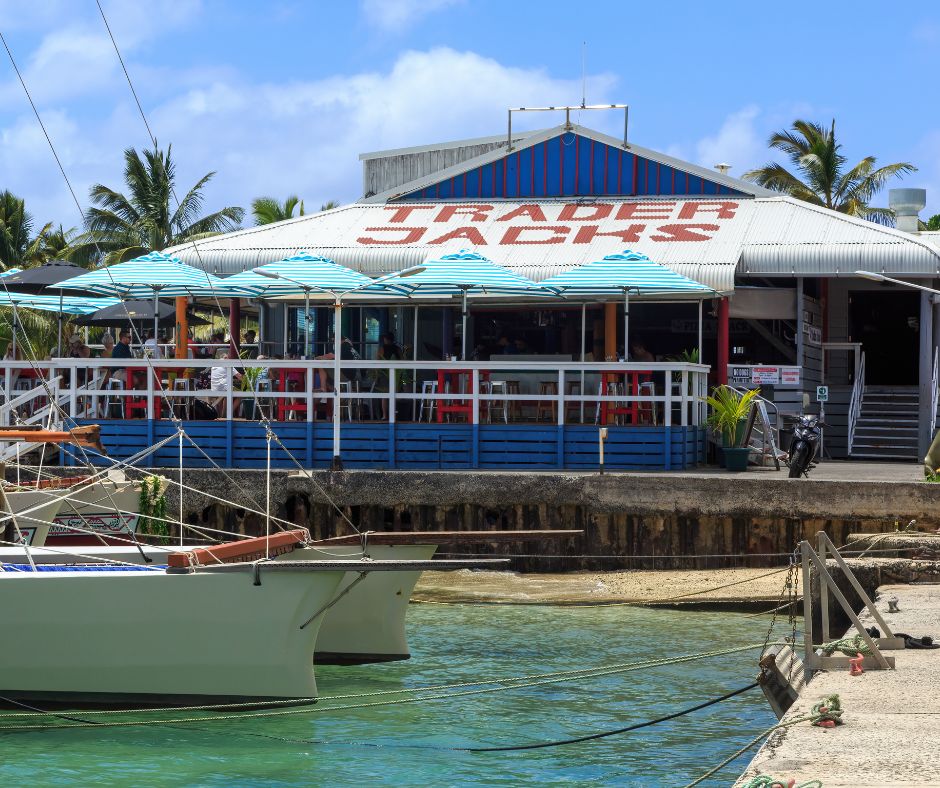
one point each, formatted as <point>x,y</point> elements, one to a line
<point>250,346</point>
<point>152,346</point>
<point>388,351</point>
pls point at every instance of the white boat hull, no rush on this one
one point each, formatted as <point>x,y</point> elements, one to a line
<point>40,510</point>
<point>93,509</point>
<point>367,623</point>
<point>153,637</point>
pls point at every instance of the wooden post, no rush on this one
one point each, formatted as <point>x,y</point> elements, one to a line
<point>610,332</point>
<point>182,328</point>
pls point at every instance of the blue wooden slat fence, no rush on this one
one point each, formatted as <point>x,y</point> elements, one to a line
<point>570,165</point>
<point>242,444</point>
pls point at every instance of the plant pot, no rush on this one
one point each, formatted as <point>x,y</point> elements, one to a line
<point>738,436</point>
<point>735,459</point>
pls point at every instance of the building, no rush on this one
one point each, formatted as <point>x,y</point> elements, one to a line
<point>791,316</point>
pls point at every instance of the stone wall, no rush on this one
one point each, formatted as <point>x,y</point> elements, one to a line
<point>628,515</point>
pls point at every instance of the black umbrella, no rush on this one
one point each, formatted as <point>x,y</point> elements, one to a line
<point>35,281</point>
<point>41,280</point>
<point>137,312</point>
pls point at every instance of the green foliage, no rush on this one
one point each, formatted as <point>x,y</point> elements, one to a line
<point>822,177</point>
<point>153,509</point>
<point>329,205</point>
<point>728,410</point>
<point>688,356</point>
<point>127,226</point>
<point>932,224</point>
<point>37,336</point>
<point>268,210</point>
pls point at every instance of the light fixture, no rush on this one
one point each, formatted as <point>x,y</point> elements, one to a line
<point>872,276</point>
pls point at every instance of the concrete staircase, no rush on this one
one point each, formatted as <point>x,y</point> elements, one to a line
<point>887,426</point>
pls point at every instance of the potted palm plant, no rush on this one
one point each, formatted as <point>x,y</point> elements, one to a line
<point>728,417</point>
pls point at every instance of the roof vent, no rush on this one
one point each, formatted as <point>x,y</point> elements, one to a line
<point>723,168</point>
<point>906,204</point>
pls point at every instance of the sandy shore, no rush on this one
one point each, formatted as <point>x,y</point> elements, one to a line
<point>751,586</point>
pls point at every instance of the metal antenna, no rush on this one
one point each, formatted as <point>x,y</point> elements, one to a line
<point>583,74</point>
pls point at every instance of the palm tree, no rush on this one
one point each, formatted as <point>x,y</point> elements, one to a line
<point>823,178</point>
<point>268,210</point>
<point>127,226</point>
<point>16,226</point>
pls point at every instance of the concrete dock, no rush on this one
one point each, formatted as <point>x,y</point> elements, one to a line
<point>891,735</point>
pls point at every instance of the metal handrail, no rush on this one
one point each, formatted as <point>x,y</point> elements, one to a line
<point>934,391</point>
<point>855,404</point>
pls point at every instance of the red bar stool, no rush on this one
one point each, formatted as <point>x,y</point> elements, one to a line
<point>626,382</point>
<point>456,381</point>
<point>291,380</point>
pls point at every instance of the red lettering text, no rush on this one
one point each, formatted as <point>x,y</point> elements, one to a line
<point>683,232</point>
<point>472,234</point>
<point>722,210</point>
<point>645,210</point>
<point>402,212</point>
<point>570,212</point>
<point>589,232</point>
<point>412,235</point>
<point>558,233</point>
<point>477,213</point>
<point>534,212</point>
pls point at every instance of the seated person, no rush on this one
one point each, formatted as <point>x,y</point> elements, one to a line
<point>638,351</point>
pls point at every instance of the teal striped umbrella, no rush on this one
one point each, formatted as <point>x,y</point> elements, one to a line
<point>144,276</point>
<point>151,275</point>
<point>297,275</point>
<point>466,273</point>
<point>622,275</point>
<point>69,305</point>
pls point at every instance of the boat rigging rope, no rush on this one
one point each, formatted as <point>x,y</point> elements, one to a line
<point>634,603</point>
<point>335,599</point>
<point>438,692</point>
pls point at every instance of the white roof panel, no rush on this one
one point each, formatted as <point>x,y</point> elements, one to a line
<point>705,239</point>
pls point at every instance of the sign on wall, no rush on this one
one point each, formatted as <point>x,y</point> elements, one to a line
<point>764,375</point>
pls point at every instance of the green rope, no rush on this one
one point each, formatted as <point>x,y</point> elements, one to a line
<point>848,646</point>
<point>829,708</point>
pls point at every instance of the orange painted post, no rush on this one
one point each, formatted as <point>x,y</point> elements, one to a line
<point>182,328</point>
<point>610,332</point>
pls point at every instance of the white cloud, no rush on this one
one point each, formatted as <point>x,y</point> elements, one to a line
<point>737,143</point>
<point>396,15</point>
<point>279,138</point>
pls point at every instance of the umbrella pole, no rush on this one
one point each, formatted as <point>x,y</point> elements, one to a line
<point>414,375</point>
<point>463,326</point>
<point>156,319</point>
<point>337,464</point>
<point>626,324</point>
<point>583,343</point>
<point>307,353</point>
<point>58,351</point>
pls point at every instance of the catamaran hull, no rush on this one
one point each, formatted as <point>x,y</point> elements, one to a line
<point>34,512</point>
<point>93,509</point>
<point>367,622</point>
<point>364,625</point>
<point>156,638</point>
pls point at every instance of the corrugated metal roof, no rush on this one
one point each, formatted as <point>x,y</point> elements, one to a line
<point>708,240</point>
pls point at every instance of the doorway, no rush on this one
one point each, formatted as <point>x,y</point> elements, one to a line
<point>886,323</point>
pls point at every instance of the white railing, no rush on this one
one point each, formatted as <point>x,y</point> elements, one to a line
<point>855,403</point>
<point>934,392</point>
<point>661,394</point>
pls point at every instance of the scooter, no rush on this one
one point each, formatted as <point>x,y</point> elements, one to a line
<point>804,446</point>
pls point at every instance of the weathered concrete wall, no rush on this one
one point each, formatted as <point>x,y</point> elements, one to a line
<point>623,515</point>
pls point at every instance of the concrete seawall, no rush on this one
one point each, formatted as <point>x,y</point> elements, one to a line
<point>631,514</point>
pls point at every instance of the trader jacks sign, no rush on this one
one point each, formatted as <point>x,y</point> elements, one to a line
<point>548,223</point>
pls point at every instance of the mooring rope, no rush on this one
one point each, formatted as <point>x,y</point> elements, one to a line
<point>438,693</point>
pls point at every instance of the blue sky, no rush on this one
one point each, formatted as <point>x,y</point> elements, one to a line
<point>280,97</point>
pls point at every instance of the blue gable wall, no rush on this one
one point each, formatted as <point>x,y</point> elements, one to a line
<point>571,165</point>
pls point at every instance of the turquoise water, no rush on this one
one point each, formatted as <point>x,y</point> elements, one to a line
<point>406,744</point>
